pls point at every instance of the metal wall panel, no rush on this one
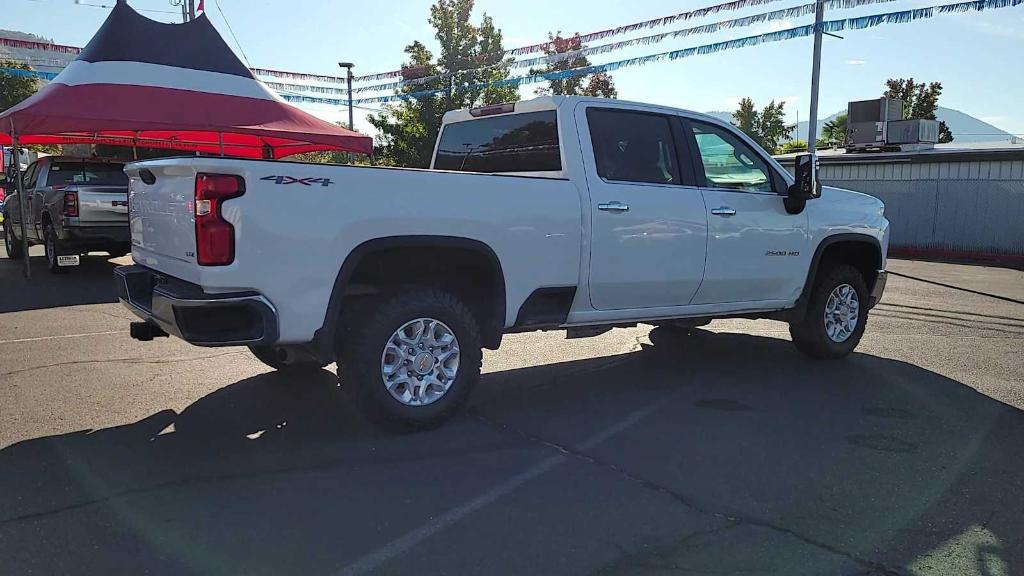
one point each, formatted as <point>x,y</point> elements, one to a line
<point>962,207</point>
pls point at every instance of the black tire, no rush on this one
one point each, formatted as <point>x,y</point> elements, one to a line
<point>278,359</point>
<point>11,244</point>
<point>370,329</point>
<point>53,249</point>
<point>810,335</point>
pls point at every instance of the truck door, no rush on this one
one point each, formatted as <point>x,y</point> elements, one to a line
<point>648,223</point>
<point>756,250</point>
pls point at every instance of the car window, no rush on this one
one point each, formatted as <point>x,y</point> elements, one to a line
<point>525,142</point>
<point>93,173</point>
<point>633,146</point>
<point>728,161</point>
<point>31,175</point>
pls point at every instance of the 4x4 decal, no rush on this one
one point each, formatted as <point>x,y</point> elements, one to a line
<point>293,180</point>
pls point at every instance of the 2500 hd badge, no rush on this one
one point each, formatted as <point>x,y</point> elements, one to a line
<point>782,253</point>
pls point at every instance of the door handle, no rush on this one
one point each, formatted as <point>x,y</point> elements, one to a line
<point>614,206</point>
<point>723,211</point>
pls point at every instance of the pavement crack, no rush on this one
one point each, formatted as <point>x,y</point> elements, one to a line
<point>733,518</point>
<point>143,360</point>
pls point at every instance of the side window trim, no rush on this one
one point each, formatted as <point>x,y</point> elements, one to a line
<point>671,119</point>
<point>684,154</point>
<point>773,177</point>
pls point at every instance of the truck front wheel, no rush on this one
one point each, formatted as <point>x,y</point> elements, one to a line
<point>410,360</point>
<point>12,244</point>
<point>836,314</point>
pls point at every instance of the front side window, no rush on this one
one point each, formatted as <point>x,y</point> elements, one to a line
<point>508,143</point>
<point>633,146</point>
<point>30,176</point>
<point>729,162</point>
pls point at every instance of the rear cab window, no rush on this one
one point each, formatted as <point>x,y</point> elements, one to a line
<point>508,143</point>
<point>87,173</point>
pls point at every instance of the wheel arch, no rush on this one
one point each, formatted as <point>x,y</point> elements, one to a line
<point>861,250</point>
<point>325,337</point>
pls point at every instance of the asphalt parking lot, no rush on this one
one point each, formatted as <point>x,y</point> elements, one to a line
<point>636,452</point>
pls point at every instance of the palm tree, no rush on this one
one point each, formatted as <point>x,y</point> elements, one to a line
<point>834,130</point>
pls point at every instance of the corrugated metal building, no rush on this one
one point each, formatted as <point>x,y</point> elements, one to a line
<point>945,202</point>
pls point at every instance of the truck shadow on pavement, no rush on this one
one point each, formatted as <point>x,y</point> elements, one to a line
<point>92,282</point>
<point>707,453</point>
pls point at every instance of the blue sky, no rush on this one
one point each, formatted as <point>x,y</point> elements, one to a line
<point>976,55</point>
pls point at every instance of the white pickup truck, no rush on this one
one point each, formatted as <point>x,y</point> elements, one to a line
<point>555,213</point>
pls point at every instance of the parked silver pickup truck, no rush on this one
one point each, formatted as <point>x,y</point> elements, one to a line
<point>74,206</point>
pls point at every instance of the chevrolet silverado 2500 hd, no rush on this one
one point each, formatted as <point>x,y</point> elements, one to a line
<point>555,213</point>
<point>75,205</point>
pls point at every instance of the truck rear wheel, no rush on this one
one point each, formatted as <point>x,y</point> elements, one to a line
<point>410,360</point>
<point>836,315</point>
<point>52,250</point>
<point>11,244</point>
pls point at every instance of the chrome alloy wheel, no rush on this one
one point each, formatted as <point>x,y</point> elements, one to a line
<point>420,361</point>
<point>842,312</point>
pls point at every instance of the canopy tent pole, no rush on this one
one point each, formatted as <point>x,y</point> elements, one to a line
<point>16,157</point>
<point>135,146</point>
<point>220,141</point>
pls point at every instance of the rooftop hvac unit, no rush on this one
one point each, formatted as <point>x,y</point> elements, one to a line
<point>916,131</point>
<point>877,110</point>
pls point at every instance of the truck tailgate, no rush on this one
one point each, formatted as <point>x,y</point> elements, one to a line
<point>162,220</point>
<point>102,205</point>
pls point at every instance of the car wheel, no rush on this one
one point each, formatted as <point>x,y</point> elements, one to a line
<point>52,250</point>
<point>284,359</point>
<point>11,244</point>
<point>411,359</point>
<point>836,315</point>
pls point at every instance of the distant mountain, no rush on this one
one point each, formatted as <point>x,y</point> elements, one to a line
<point>965,128</point>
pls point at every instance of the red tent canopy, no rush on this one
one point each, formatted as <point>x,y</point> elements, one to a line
<point>179,86</point>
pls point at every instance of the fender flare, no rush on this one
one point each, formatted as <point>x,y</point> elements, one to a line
<point>323,338</point>
<point>812,270</point>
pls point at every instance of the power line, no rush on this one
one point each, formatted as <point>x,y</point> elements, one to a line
<point>235,38</point>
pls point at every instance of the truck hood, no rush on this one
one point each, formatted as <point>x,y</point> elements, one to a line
<point>851,200</point>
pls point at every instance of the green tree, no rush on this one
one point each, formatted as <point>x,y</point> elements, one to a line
<point>767,127</point>
<point>469,55</point>
<point>14,87</point>
<point>920,100</point>
<point>599,84</point>
<point>834,131</point>
<point>793,146</point>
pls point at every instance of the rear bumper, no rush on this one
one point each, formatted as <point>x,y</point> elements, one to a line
<point>97,235</point>
<point>878,288</point>
<point>184,310</point>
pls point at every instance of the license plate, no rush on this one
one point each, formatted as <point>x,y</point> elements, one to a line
<point>72,260</point>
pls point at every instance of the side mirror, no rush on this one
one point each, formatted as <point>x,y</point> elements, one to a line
<point>806,186</point>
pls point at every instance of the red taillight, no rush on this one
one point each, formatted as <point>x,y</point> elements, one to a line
<point>215,237</point>
<point>71,204</point>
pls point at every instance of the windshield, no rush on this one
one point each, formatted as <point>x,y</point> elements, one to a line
<point>91,173</point>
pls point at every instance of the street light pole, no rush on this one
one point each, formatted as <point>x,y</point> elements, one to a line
<point>348,77</point>
<point>812,122</point>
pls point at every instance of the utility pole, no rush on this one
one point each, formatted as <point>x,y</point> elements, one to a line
<point>812,122</point>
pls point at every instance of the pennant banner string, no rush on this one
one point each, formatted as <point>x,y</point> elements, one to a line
<point>787,13</point>
<point>901,17</point>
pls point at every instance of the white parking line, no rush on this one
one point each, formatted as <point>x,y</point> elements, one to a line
<point>37,339</point>
<point>374,559</point>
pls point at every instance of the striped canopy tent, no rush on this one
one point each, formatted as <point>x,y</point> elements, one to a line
<point>179,86</point>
